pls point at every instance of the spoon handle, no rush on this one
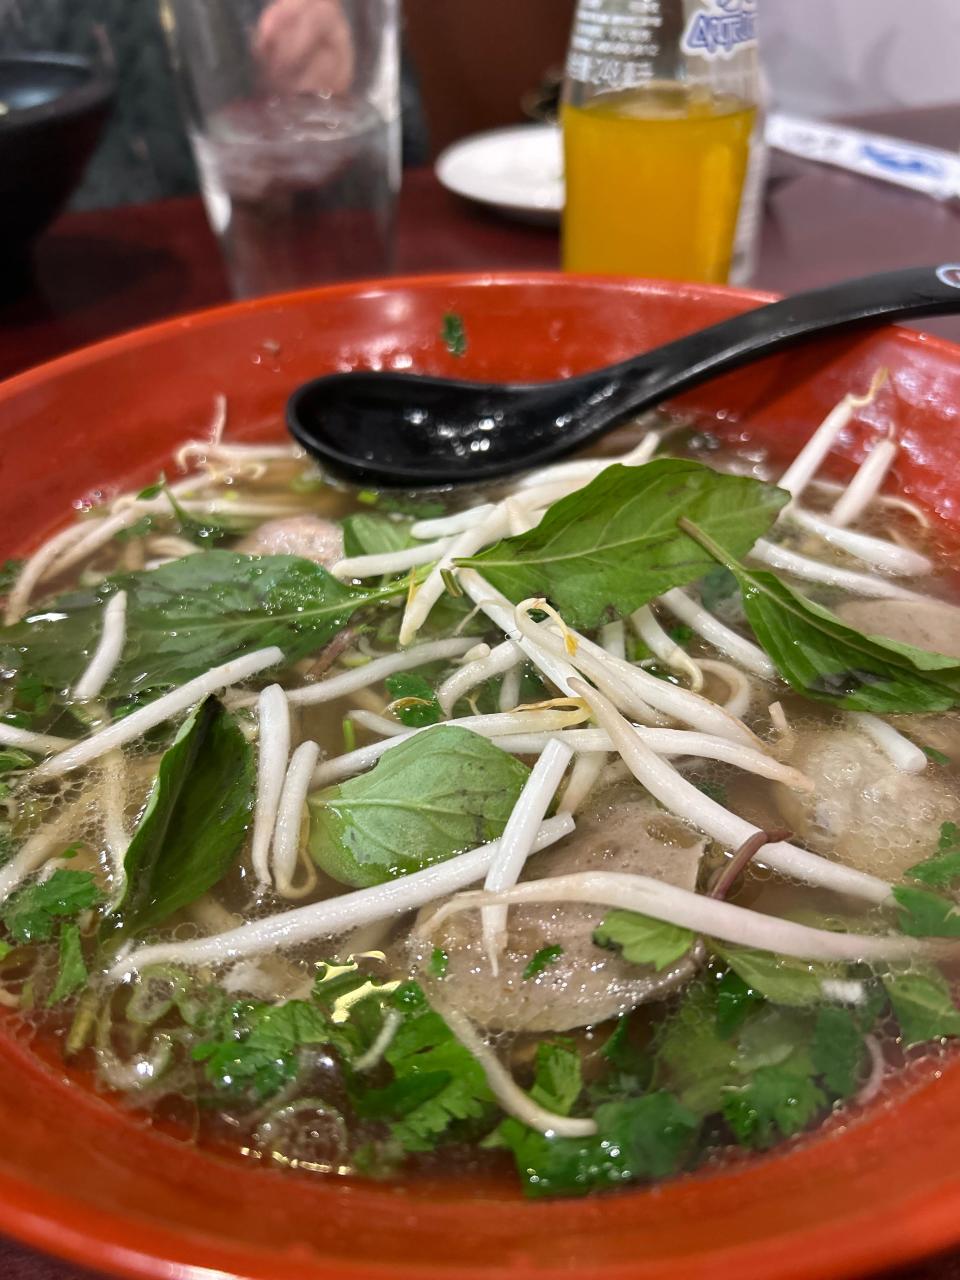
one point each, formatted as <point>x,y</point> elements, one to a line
<point>916,291</point>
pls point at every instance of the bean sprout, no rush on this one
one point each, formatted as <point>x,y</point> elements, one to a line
<point>739,686</point>
<point>374,566</point>
<point>510,688</point>
<point>900,751</point>
<point>333,916</point>
<point>26,740</point>
<point>877,552</point>
<point>866,483</point>
<point>505,1089</point>
<point>108,650</point>
<point>517,840</point>
<point>685,800</point>
<point>808,461</point>
<point>863,584</point>
<point>336,686</point>
<point>878,1067</point>
<point>446,526</point>
<point>273,752</point>
<point>689,910</point>
<point>665,648</point>
<point>286,837</point>
<point>144,718</point>
<point>584,776</point>
<point>717,633</point>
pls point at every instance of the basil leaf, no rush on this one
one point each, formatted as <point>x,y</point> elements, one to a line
<point>72,972</point>
<point>603,551</point>
<point>643,940</point>
<point>941,869</point>
<point>12,759</point>
<point>923,1005</point>
<point>195,821</point>
<point>824,659</point>
<point>188,616</point>
<point>366,534</point>
<point>436,794</point>
<point>782,979</point>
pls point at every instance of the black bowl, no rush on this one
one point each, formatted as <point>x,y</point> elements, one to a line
<point>52,110</point>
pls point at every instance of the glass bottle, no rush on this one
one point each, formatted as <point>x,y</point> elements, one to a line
<point>662,138</point>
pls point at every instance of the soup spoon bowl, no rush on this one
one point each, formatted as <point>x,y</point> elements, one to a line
<point>415,431</point>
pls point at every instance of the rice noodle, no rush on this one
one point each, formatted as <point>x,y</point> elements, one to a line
<point>866,483</point>
<point>717,633</point>
<point>517,840</point>
<point>900,751</point>
<point>877,552</point>
<point>108,650</point>
<point>286,837</point>
<point>273,752</point>
<point>808,461</point>
<point>689,910</point>
<point>144,718</point>
<point>333,916</point>
<point>373,566</point>
<point>861,584</point>
<point>665,648</point>
<point>685,800</point>
<point>27,740</point>
<point>336,686</point>
<point>505,1089</point>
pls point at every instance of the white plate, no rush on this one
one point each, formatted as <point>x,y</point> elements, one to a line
<point>517,170</point>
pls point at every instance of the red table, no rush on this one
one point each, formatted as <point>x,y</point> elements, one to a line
<point>98,273</point>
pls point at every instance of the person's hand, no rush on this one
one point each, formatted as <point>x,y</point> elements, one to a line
<point>305,46</point>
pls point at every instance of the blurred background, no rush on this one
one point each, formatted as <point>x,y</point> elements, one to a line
<point>474,64</point>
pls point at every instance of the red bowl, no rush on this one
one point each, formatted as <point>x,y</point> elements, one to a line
<point>81,1177</point>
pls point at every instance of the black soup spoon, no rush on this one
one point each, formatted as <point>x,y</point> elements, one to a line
<point>415,431</point>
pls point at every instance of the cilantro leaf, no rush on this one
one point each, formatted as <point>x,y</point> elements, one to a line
<point>437,1082</point>
<point>72,972</point>
<point>735,1002</point>
<point>413,700</point>
<point>837,1049</point>
<point>453,334</point>
<point>776,1101</point>
<point>923,1005</point>
<point>782,979</point>
<point>926,915</point>
<point>691,1059</point>
<point>32,914</point>
<point>439,960</point>
<point>941,869</point>
<point>642,939</point>
<point>558,1082</point>
<point>254,1051</point>
<point>541,959</point>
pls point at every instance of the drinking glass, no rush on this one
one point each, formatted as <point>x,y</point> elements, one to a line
<point>293,112</point>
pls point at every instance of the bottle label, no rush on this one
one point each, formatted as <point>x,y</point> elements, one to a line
<point>721,29</point>
<point>615,45</point>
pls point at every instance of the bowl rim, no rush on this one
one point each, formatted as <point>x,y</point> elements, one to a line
<point>92,93</point>
<point>59,1224</point>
